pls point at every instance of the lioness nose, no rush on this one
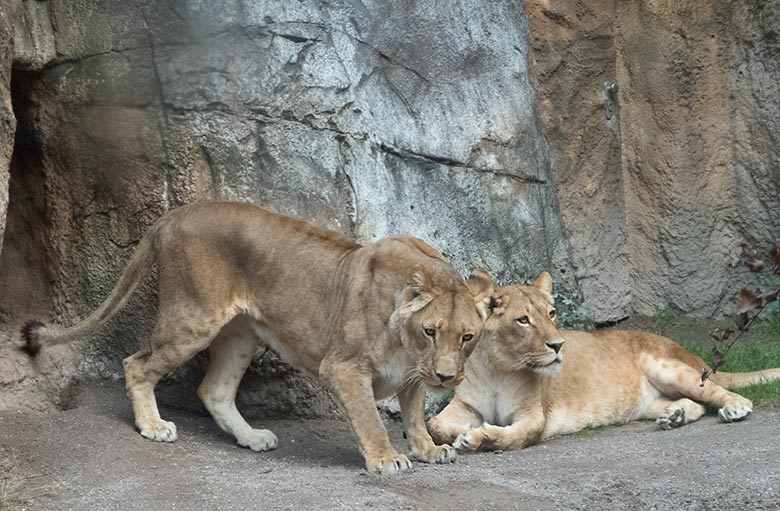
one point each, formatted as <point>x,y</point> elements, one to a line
<point>445,377</point>
<point>555,346</point>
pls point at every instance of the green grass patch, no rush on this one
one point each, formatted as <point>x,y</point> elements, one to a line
<point>758,349</point>
<point>767,394</point>
<point>591,427</point>
<point>742,359</point>
<point>689,331</point>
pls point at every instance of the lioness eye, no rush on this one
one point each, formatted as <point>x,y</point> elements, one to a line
<point>523,320</point>
<point>430,332</point>
<point>552,313</point>
<point>467,337</point>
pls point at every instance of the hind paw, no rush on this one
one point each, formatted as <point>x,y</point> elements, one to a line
<point>672,418</point>
<point>259,440</point>
<point>158,430</point>
<point>736,410</point>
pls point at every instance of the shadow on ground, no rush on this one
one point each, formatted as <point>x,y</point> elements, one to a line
<point>90,458</point>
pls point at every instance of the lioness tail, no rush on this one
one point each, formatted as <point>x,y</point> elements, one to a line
<point>35,334</point>
<point>736,380</point>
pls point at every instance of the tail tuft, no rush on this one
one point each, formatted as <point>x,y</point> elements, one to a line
<point>30,336</point>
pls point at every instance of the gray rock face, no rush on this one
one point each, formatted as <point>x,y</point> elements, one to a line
<point>372,119</point>
<point>657,198</point>
<point>481,128</point>
<point>7,119</point>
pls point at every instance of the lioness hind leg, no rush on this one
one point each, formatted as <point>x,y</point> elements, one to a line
<point>140,384</point>
<point>229,356</point>
<point>673,377</point>
<point>168,349</point>
<point>673,414</point>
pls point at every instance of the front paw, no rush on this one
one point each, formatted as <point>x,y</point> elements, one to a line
<point>673,417</point>
<point>470,440</point>
<point>440,454</point>
<point>389,464</point>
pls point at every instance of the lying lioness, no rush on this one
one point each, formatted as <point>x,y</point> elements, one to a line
<point>527,381</point>
<point>367,320</point>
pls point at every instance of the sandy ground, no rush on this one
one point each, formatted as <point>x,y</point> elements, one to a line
<point>90,458</point>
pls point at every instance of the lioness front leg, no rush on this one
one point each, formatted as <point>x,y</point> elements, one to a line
<point>456,418</point>
<point>487,437</point>
<point>352,387</point>
<point>673,414</point>
<point>412,400</point>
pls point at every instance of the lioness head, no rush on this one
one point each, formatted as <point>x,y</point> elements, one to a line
<point>522,331</point>
<point>440,320</point>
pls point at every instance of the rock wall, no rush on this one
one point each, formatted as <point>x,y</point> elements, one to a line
<point>7,119</point>
<point>659,188</point>
<point>368,118</point>
<point>629,147</point>
<point>700,112</point>
<point>573,57</point>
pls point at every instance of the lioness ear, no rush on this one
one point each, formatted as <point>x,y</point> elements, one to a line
<point>418,291</point>
<point>544,282</point>
<point>485,296</point>
<point>479,282</point>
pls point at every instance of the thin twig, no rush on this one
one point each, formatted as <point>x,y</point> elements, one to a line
<point>706,374</point>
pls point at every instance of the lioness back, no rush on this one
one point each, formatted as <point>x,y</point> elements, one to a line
<point>602,380</point>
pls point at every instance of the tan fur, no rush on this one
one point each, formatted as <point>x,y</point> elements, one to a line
<point>232,276</point>
<point>517,391</point>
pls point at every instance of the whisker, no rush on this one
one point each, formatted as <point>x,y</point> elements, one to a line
<point>532,361</point>
<point>411,377</point>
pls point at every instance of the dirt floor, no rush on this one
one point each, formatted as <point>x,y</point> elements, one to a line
<point>90,458</point>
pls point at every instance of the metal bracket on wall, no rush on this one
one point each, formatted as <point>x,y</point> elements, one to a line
<point>610,92</point>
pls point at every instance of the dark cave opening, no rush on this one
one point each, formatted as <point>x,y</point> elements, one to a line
<point>25,290</point>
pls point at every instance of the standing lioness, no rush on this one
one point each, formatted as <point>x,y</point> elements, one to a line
<point>528,381</point>
<point>368,320</point>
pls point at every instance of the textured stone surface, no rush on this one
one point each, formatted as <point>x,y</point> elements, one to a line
<point>700,83</point>
<point>573,56</point>
<point>370,118</point>
<point>33,35</point>
<point>7,119</point>
<point>480,129</point>
<point>657,200</point>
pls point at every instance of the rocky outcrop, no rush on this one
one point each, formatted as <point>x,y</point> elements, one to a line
<point>370,119</point>
<point>628,147</point>
<point>573,58</point>
<point>7,119</point>
<point>699,89</point>
<point>662,180</point>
